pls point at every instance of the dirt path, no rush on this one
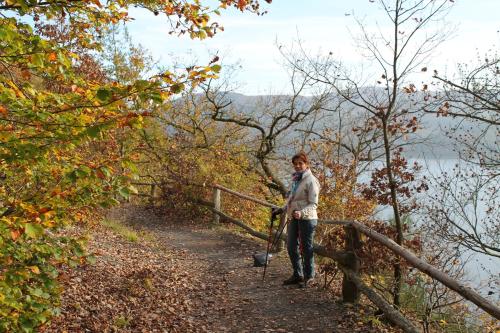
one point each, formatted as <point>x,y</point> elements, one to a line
<point>215,287</point>
<point>244,302</point>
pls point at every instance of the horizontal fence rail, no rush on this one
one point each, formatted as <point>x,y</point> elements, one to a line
<point>244,196</point>
<point>430,270</point>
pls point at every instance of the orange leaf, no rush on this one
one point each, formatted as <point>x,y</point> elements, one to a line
<point>242,4</point>
<point>26,74</point>
<point>100,174</point>
<point>44,210</point>
<point>15,234</point>
<point>3,110</point>
<point>52,56</point>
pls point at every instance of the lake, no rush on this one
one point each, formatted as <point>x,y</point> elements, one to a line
<point>479,268</point>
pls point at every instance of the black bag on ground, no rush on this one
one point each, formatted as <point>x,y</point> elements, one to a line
<point>259,259</point>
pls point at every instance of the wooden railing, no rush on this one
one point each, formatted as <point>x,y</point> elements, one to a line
<point>349,263</point>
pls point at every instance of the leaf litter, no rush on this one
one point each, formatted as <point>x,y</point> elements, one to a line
<point>189,278</point>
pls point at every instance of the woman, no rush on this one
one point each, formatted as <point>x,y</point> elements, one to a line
<point>301,206</point>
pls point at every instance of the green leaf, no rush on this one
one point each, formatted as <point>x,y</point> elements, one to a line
<point>103,95</point>
<point>72,176</point>
<point>131,166</point>
<point>37,292</point>
<point>27,324</point>
<point>177,88</point>
<point>86,169</point>
<point>156,97</point>
<point>79,252</point>
<point>33,230</point>
<point>124,192</point>
<point>3,210</point>
<point>106,171</point>
<point>93,131</point>
<point>110,202</point>
<point>141,84</point>
<point>38,60</point>
<point>216,68</point>
<point>73,263</point>
<point>80,173</point>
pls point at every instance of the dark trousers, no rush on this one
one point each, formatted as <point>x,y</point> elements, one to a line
<point>301,234</point>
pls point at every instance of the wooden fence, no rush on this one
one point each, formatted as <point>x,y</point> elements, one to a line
<point>349,263</point>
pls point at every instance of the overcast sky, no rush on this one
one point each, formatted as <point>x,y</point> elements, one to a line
<point>323,26</point>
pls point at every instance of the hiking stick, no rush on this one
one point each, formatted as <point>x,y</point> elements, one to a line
<point>277,236</point>
<point>268,245</point>
<point>301,247</point>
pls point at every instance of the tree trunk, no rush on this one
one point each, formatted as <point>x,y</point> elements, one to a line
<point>397,217</point>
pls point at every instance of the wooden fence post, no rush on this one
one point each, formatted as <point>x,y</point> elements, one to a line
<point>280,244</point>
<point>216,201</point>
<point>350,292</point>
<point>152,193</point>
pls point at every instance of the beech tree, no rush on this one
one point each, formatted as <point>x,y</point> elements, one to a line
<point>59,116</point>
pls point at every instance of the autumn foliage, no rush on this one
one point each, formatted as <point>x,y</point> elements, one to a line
<point>183,153</point>
<point>61,125</point>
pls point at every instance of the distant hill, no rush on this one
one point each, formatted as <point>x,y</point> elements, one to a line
<point>435,130</point>
<point>433,137</point>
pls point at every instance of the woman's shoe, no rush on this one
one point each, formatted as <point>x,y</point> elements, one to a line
<point>306,283</point>
<point>293,280</point>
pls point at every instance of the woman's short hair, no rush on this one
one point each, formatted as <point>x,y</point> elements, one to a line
<point>300,156</point>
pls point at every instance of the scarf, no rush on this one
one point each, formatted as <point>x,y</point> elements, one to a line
<point>296,178</point>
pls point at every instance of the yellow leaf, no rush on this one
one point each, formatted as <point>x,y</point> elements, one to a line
<point>18,92</point>
<point>35,269</point>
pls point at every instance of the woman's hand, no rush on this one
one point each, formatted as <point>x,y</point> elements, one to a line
<point>275,212</point>
<point>297,214</point>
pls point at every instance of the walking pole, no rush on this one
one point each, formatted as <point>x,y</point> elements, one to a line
<point>268,245</point>
<point>277,236</point>
<point>301,247</point>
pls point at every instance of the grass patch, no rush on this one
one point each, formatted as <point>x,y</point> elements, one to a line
<point>122,230</point>
<point>121,322</point>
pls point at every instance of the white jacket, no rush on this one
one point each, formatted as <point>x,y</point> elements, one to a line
<point>305,199</point>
